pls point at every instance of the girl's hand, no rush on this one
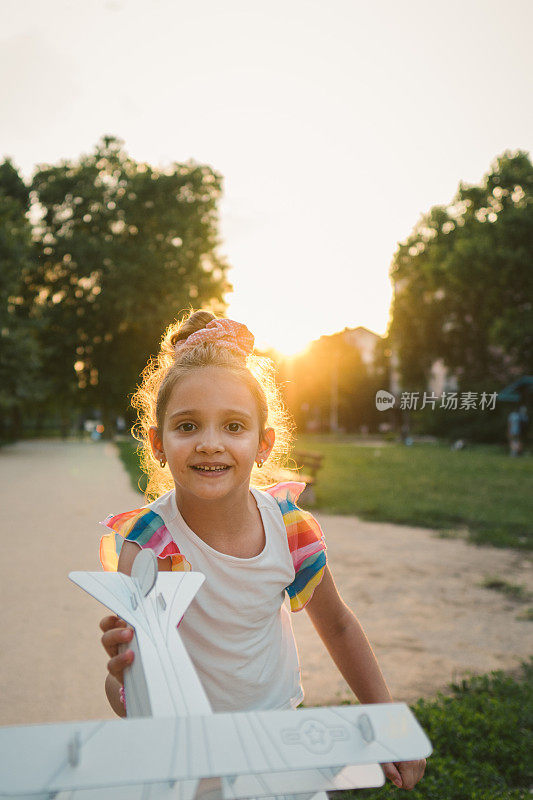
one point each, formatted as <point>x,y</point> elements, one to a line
<point>404,774</point>
<point>116,632</point>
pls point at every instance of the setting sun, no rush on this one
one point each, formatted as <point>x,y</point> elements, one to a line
<point>288,346</point>
<point>290,329</point>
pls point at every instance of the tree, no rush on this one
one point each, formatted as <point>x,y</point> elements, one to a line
<point>464,283</point>
<point>20,359</point>
<point>123,248</point>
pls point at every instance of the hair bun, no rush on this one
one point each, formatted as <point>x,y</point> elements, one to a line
<point>197,321</point>
<point>228,332</point>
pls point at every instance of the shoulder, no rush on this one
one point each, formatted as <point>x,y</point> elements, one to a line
<point>305,542</point>
<point>286,493</point>
<point>131,524</point>
<point>144,527</point>
<point>140,524</point>
<point>302,527</point>
<point>284,497</point>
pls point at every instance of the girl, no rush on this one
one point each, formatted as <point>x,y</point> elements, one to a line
<point>210,417</point>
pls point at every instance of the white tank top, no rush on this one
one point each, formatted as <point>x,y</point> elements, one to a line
<point>237,630</point>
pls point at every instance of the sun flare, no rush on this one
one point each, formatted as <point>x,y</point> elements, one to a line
<point>286,344</point>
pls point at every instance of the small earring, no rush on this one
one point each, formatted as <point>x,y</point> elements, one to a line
<point>162,461</point>
<point>260,463</point>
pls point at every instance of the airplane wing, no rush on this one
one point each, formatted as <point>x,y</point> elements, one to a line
<point>206,789</point>
<point>114,590</point>
<point>123,594</point>
<point>255,750</point>
<point>162,679</point>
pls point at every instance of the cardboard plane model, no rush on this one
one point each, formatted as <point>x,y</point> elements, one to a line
<point>173,746</point>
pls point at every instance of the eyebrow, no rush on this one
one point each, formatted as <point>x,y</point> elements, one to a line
<point>227,412</point>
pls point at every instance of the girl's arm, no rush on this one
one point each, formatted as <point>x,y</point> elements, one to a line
<point>349,648</point>
<point>346,643</point>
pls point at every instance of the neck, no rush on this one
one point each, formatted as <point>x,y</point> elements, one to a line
<point>220,519</point>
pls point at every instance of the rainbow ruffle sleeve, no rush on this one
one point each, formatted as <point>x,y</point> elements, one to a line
<point>145,528</point>
<point>306,543</point>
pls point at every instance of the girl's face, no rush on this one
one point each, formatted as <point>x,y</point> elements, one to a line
<point>210,435</point>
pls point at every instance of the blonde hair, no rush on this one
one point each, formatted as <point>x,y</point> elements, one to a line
<point>164,371</point>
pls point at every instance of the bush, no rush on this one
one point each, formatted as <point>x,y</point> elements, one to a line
<point>475,425</point>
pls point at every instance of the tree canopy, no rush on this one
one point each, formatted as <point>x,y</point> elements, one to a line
<point>122,248</point>
<point>464,283</point>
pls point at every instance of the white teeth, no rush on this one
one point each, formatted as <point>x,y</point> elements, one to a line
<point>211,469</point>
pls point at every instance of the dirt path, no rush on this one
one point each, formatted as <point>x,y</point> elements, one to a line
<point>417,596</point>
<point>418,599</point>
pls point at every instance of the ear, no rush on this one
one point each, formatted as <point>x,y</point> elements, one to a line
<point>266,444</point>
<point>156,443</point>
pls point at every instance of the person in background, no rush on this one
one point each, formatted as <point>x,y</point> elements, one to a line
<point>513,433</point>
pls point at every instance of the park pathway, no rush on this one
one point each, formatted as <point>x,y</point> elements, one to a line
<point>416,595</point>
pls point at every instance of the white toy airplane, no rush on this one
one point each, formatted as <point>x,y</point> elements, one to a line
<point>173,746</point>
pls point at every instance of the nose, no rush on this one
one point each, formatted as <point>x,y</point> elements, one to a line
<point>210,442</point>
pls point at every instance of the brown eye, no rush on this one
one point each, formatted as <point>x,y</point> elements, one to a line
<point>234,427</point>
<point>186,427</point>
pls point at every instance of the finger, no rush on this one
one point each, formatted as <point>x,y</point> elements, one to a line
<point>117,665</point>
<point>108,622</point>
<point>115,637</point>
<point>111,622</point>
<point>411,773</point>
<point>408,778</point>
<point>421,768</point>
<point>392,773</point>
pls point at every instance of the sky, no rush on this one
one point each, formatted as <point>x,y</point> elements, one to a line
<point>334,124</point>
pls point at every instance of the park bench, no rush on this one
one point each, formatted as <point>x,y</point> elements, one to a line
<point>307,466</point>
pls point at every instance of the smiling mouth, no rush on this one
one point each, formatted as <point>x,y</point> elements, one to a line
<point>210,469</point>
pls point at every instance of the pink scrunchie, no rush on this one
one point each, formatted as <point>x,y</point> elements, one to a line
<point>233,334</point>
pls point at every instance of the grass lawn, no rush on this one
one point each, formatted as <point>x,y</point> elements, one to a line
<point>127,449</point>
<point>479,491</point>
